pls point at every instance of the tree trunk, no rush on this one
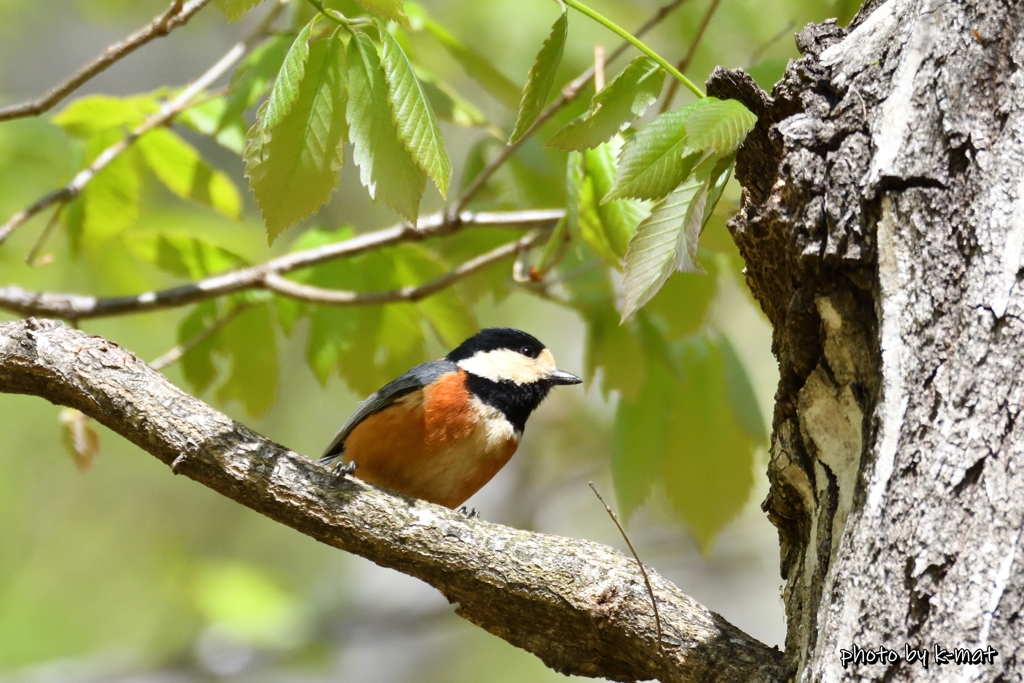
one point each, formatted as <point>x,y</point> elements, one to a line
<point>883,230</point>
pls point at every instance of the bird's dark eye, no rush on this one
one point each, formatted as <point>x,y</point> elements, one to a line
<point>529,351</point>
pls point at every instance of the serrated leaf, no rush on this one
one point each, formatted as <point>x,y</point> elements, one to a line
<point>252,77</point>
<point>294,168</point>
<point>619,218</point>
<point>184,256</point>
<point>450,106</point>
<point>289,78</point>
<point>718,125</point>
<point>666,241</point>
<point>385,167</point>
<point>234,9</point>
<point>178,166</point>
<point>624,99</point>
<point>476,66</point>
<point>417,124</point>
<point>389,9</point>
<point>541,78</point>
<point>652,162</point>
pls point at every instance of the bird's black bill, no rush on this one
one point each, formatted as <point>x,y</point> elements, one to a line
<point>562,377</point>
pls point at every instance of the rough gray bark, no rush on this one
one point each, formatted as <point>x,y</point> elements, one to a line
<point>581,607</point>
<point>883,230</point>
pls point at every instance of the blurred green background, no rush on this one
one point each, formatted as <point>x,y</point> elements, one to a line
<point>122,572</point>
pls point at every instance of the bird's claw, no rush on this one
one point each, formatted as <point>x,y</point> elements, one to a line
<point>470,513</point>
<point>348,468</point>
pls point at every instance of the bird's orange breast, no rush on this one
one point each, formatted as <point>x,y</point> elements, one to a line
<point>440,443</point>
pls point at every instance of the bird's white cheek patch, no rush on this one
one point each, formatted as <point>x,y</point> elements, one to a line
<point>506,365</point>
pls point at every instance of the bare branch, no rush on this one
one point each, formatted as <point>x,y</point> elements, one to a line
<point>77,307</point>
<point>177,14</point>
<point>684,63</point>
<point>336,297</point>
<point>569,93</point>
<point>163,116</point>
<point>579,606</point>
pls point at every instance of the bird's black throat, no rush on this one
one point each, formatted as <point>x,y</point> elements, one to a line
<point>515,401</point>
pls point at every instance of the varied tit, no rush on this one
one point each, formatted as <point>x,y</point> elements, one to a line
<point>443,429</point>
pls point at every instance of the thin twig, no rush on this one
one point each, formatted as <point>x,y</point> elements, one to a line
<point>647,580</point>
<point>684,63</point>
<point>569,93</point>
<point>162,117</point>
<point>334,297</point>
<point>174,354</point>
<point>74,307</point>
<point>756,55</point>
<point>177,14</point>
<point>30,257</point>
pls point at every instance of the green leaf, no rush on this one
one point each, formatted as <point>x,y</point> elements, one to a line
<point>210,119</point>
<point>234,9</point>
<point>184,255</point>
<point>640,433</point>
<point>88,116</point>
<point>450,106</point>
<point>708,466</point>
<point>541,78</point>
<point>718,125</point>
<point>681,432</point>
<point>652,162</point>
<point>289,79</point>
<point>253,76</point>
<point>476,66</point>
<point>385,167</point>
<point>249,344</point>
<point>740,393</point>
<point>446,312</point>
<point>624,99</point>
<point>417,124</point>
<point>294,168</point>
<point>389,9</point>
<point>109,204</point>
<point>197,364</point>
<point>683,302</point>
<point>619,218</point>
<point>770,71</point>
<point>178,166</point>
<point>666,241</point>
<point>615,350</point>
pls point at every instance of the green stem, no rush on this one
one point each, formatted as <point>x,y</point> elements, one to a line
<point>320,8</point>
<point>636,42</point>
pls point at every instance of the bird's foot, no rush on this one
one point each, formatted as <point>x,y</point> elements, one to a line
<point>470,513</point>
<point>348,468</point>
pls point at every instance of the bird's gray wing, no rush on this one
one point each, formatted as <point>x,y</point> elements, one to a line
<point>417,378</point>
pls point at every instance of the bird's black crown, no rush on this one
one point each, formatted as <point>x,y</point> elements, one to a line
<point>495,338</point>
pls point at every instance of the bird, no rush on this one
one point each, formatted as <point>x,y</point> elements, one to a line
<point>442,430</point>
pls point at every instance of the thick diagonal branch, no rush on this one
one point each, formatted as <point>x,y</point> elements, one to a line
<point>579,606</point>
